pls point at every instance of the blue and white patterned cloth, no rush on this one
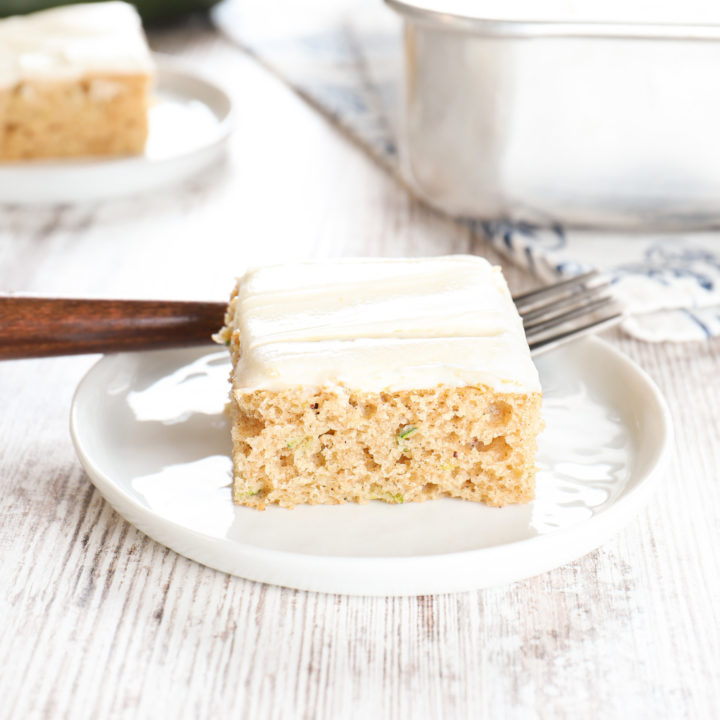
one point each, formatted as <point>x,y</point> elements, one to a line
<point>344,58</point>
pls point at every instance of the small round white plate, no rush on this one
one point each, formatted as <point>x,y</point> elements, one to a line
<point>190,121</point>
<point>149,429</point>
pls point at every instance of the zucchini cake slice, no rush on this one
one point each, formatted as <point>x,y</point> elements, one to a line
<point>380,379</point>
<point>74,81</point>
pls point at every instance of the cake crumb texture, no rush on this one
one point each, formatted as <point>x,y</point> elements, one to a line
<point>293,446</point>
<point>100,115</point>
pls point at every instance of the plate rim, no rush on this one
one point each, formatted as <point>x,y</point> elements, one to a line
<point>587,535</point>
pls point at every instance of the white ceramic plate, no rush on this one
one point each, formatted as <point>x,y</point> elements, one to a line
<point>190,120</point>
<point>149,429</point>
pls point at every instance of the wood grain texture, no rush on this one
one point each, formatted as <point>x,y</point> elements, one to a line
<point>98,621</point>
<point>34,327</point>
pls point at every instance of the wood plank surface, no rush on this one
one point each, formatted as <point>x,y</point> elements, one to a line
<point>98,621</point>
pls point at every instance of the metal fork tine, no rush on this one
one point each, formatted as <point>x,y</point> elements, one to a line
<point>554,314</point>
<point>555,319</point>
<point>554,307</point>
<point>548,343</point>
<point>562,287</point>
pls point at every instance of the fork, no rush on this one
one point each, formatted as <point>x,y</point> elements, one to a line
<point>555,314</point>
<point>32,327</point>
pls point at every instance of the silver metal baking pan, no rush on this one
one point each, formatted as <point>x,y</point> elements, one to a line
<point>587,123</point>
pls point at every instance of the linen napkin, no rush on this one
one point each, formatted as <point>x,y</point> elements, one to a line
<point>344,57</point>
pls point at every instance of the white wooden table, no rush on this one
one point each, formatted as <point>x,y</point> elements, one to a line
<point>98,621</point>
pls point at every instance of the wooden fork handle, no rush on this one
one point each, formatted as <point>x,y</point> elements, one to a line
<point>33,327</point>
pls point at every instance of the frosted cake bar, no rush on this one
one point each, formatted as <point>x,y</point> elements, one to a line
<point>380,379</point>
<point>74,81</point>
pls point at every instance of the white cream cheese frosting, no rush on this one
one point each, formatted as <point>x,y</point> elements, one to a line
<point>380,324</point>
<point>69,42</point>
